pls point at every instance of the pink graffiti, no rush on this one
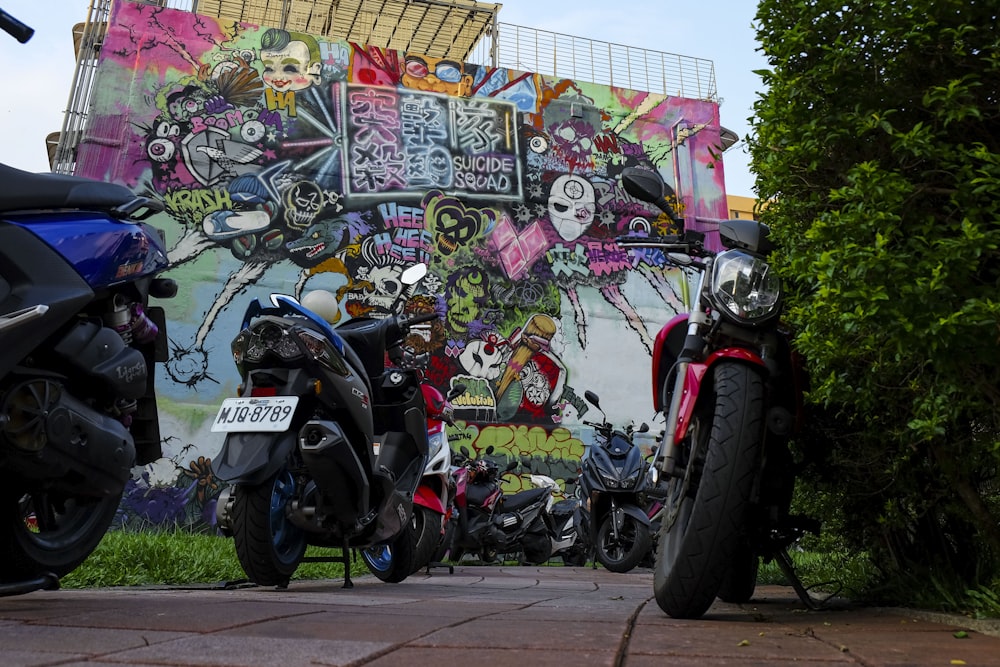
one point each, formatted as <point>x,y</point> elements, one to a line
<point>518,251</point>
<point>606,258</point>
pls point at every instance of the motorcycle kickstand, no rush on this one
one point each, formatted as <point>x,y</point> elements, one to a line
<point>346,553</point>
<point>788,568</point>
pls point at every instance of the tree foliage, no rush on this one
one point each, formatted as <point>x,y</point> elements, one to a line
<point>877,147</point>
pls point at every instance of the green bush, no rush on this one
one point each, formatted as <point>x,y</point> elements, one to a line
<point>876,145</point>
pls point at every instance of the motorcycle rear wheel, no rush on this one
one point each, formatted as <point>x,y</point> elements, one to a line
<point>268,546</point>
<point>624,552</point>
<point>393,562</point>
<point>741,580</point>
<point>42,533</point>
<point>697,548</point>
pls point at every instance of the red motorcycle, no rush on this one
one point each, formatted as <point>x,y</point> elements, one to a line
<point>488,522</point>
<point>432,499</point>
<point>727,379</point>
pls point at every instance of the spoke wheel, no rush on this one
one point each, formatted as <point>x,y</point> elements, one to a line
<point>622,541</point>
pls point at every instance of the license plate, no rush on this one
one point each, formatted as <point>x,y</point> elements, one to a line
<point>270,413</point>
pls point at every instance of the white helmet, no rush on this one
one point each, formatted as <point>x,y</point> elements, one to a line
<point>323,303</point>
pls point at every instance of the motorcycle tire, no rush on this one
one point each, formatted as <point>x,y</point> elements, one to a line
<point>268,546</point>
<point>696,550</point>
<point>624,552</point>
<point>574,557</point>
<point>43,533</point>
<point>741,581</point>
<point>392,562</point>
<point>444,548</point>
<point>425,530</point>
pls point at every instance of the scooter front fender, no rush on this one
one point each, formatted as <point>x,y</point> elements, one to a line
<point>250,458</point>
<point>696,372</point>
<point>635,512</point>
<point>425,496</point>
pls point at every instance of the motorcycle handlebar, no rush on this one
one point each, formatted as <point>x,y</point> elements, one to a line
<point>15,28</point>
<point>671,243</point>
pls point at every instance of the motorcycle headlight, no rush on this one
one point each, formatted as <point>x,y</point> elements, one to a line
<point>630,481</point>
<point>436,443</point>
<point>609,481</point>
<point>745,288</point>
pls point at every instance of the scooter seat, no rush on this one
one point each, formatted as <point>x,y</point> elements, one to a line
<point>22,190</point>
<point>523,499</point>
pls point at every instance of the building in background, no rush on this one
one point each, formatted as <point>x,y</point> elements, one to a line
<point>300,144</point>
<point>744,208</point>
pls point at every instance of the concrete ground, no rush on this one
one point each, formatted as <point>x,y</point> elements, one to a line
<point>489,616</point>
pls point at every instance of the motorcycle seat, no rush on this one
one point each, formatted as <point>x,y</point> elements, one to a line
<point>478,493</point>
<point>23,190</point>
<point>523,499</point>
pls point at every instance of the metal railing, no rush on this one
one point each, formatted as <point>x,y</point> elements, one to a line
<point>583,59</point>
<point>509,46</point>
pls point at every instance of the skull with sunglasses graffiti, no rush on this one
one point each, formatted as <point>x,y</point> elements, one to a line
<point>436,74</point>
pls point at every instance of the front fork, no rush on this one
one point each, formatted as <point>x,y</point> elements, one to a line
<point>666,455</point>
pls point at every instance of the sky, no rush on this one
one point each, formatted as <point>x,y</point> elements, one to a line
<point>36,79</point>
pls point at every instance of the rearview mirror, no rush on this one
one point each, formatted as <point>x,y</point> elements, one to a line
<point>646,185</point>
<point>413,274</point>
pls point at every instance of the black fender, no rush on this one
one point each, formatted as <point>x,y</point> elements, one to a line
<point>635,512</point>
<point>629,508</point>
<point>250,458</point>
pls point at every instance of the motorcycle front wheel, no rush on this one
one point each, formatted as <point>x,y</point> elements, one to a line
<point>268,545</point>
<point>425,528</point>
<point>703,520</point>
<point>42,532</point>
<point>622,541</point>
<point>393,562</point>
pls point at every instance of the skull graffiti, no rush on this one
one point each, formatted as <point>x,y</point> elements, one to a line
<point>303,202</point>
<point>571,206</point>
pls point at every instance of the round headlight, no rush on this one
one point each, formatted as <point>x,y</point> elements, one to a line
<point>744,287</point>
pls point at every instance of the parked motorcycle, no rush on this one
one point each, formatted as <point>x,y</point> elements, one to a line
<point>488,523</point>
<point>78,345</point>
<point>325,445</point>
<point>565,519</point>
<point>727,379</point>
<point>434,493</point>
<point>613,483</point>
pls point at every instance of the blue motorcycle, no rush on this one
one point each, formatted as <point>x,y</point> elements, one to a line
<point>78,344</point>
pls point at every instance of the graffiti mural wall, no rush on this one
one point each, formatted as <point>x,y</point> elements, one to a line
<point>288,163</point>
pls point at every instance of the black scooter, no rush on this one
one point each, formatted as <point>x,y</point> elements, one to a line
<point>325,445</point>
<point>613,482</point>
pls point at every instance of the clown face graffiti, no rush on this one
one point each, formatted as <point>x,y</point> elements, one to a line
<point>571,206</point>
<point>291,60</point>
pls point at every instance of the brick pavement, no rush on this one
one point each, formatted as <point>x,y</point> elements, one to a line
<point>490,616</point>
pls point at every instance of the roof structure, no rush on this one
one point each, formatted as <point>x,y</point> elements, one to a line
<point>436,28</point>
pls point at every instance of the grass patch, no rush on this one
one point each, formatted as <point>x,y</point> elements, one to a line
<point>178,557</point>
<point>855,578</point>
